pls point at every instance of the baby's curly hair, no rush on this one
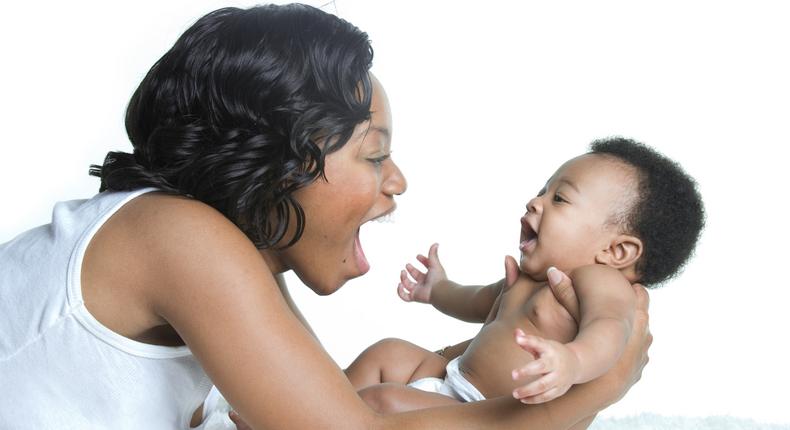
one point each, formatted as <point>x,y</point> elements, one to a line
<point>668,215</point>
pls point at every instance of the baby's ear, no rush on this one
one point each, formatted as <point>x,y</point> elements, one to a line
<point>623,252</point>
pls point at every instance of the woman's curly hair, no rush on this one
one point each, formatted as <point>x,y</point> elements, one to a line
<point>233,113</point>
<point>668,214</point>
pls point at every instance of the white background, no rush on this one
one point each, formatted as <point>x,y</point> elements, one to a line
<point>488,99</point>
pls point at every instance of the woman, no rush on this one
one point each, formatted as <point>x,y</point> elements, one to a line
<point>261,145</point>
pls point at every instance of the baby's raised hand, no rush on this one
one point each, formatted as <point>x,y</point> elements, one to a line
<point>418,287</point>
<point>556,367</point>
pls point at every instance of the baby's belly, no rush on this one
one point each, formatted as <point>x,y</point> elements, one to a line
<point>492,355</point>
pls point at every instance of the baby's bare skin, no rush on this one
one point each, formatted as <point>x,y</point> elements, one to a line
<point>527,305</point>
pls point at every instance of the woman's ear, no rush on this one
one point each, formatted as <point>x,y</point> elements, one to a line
<point>623,252</point>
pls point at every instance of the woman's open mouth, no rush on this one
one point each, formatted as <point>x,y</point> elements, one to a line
<point>359,254</point>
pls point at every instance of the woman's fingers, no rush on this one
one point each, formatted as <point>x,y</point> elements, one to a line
<point>642,298</point>
<point>562,288</point>
<point>628,369</point>
<point>511,271</point>
<point>642,324</point>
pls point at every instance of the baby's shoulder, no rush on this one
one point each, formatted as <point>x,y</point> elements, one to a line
<point>600,280</point>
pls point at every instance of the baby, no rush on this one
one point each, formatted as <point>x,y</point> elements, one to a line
<point>620,214</point>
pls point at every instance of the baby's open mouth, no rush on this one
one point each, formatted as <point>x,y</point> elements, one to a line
<point>528,236</point>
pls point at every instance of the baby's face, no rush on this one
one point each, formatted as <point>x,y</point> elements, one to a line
<point>574,217</point>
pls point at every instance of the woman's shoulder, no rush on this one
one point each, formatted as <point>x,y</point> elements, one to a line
<point>158,216</point>
<point>161,248</point>
<point>166,237</point>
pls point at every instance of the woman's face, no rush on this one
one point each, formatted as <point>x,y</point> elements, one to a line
<point>360,185</point>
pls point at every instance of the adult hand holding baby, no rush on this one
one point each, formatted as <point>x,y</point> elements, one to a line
<point>628,369</point>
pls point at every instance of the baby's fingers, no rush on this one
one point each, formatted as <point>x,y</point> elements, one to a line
<point>543,397</point>
<point>416,274</point>
<point>405,287</point>
<point>536,387</point>
<point>534,368</point>
<point>403,293</point>
<point>534,345</point>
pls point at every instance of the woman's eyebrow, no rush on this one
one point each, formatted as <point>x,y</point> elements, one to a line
<point>383,130</point>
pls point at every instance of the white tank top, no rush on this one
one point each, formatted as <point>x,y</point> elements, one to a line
<point>60,368</point>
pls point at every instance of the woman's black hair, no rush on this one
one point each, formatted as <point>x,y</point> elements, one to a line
<point>668,215</point>
<point>233,114</point>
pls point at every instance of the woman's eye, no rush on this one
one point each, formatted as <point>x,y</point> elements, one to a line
<point>378,160</point>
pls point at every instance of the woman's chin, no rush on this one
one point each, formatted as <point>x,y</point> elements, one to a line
<point>359,257</point>
<point>325,286</point>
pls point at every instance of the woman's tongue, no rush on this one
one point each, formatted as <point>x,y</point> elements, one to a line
<point>359,255</point>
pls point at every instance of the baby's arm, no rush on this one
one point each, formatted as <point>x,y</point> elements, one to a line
<point>471,303</point>
<point>606,302</point>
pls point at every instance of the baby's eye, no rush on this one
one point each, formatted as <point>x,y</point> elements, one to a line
<point>542,191</point>
<point>558,199</point>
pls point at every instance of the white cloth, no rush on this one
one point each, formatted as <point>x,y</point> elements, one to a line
<point>454,384</point>
<point>215,413</point>
<point>60,368</point>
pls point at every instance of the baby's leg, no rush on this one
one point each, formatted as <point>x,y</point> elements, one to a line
<point>394,360</point>
<point>391,398</point>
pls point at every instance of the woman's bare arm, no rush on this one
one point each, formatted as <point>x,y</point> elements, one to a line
<point>213,287</point>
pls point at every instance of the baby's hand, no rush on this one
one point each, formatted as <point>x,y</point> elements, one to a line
<point>556,367</point>
<point>419,290</point>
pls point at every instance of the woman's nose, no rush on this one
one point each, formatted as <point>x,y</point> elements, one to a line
<point>394,183</point>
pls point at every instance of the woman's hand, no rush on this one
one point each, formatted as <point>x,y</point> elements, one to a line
<point>419,290</point>
<point>628,369</point>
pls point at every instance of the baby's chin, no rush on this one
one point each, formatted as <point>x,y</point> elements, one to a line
<point>532,270</point>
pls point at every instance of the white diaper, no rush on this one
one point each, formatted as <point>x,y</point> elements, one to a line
<point>215,413</point>
<point>453,385</point>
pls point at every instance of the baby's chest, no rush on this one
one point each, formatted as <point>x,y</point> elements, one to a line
<point>541,310</point>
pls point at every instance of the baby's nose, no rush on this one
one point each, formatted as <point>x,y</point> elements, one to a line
<point>533,205</point>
